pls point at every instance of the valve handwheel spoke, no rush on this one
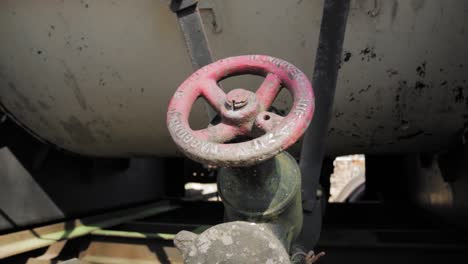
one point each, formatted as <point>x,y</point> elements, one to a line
<point>241,113</point>
<point>268,91</point>
<point>214,95</point>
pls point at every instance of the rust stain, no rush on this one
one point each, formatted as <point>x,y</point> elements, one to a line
<point>70,81</point>
<point>44,105</point>
<point>417,5</point>
<point>24,100</point>
<point>394,10</point>
<point>79,133</point>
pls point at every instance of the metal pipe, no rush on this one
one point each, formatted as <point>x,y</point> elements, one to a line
<point>327,61</point>
<point>268,192</point>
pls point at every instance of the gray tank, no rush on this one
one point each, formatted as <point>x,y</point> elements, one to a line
<point>95,77</point>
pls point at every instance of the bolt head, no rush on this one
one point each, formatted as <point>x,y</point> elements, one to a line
<point>237,98</point>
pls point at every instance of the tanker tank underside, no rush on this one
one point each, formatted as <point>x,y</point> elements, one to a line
<point>209,131</point>
<point>94,78</point>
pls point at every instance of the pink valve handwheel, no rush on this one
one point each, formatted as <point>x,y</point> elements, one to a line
<point>243,114</point>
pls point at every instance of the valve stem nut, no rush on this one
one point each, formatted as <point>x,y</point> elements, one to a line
<point>237,99</point>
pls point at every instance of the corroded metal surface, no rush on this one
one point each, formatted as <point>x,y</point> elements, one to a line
<point>243,113</point>
<point>269,192</point>
<point>235,242</point>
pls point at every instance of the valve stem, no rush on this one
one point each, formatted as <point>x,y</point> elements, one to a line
<point>237,99</point>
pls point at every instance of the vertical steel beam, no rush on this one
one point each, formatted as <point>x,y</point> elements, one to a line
<point>328,57</point>
<point>191,24</point>
<point>194,34</point>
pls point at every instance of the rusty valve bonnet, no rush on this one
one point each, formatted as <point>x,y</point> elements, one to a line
<point>242,113</point>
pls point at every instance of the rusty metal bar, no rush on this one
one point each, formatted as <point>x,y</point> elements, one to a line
<point>327,61</point>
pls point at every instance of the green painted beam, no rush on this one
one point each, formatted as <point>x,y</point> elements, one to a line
<point>24,241</point>
<point>129,234</point>
<point>143,235</point>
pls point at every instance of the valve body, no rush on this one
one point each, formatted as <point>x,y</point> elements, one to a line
<point>260,185</point>
<point>269,192</point>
